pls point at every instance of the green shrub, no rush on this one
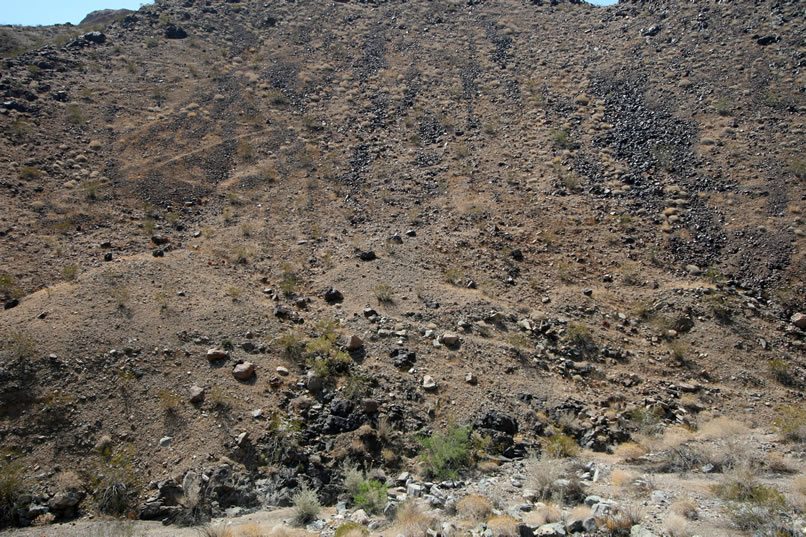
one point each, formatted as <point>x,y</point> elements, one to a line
<point>453,276</point>
<point>348,528</point>
<point>325,358</point>
<point>563,139</point>
<point>371,496</point>
<point>579,334</point>
<point>12,488</point>
<point>278,98</point>
<point>27,173</point>
<point>560,445</point>
<point>291,344</point>
<point>113,482</point>
<point>305,505</point>
<point>383,292</point>
<point>791,423</point>
<point>445,453</point>
<point>780,370</point>
<point>70,272</point>
<point>21,344</point>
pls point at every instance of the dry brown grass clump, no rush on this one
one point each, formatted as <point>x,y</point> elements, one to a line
<point>624,518</point>
<point>799,487</point>
<point>543,513</point>
<point>720,428</point>
<point>474,507</point>
<point>621,478</point>
<point>542,473</point>
<point>215,531</point>
<point>686,508</point>
<point>580,512</point>
<point>410,520</point>
<point>503,526</point>
<point>676,526</point>
<point>629,450</point>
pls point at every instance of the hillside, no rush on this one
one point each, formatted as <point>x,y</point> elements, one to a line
<point>245,242</point>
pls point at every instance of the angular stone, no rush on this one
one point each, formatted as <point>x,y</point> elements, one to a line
<point>354,343</point>
<point>217,354</point>
<point>196,394</point>
<point>243,371</point>
<point>449,338</point>
<point>799,320</point>
<point>429,384</point>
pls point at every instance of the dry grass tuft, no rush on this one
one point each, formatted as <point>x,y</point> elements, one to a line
<point>621,478</point>
<point>799,486</point>
<point>410,520</point>
<point>580,512</point>
<point>721,428</point>
<point>625,518</point>
<point>676,526</point>
<point>629,450</point>
<point>474,507</point>
<point>685,508</point>
<point>542,473</point>
<point>503,526</point>
<point>215,531</point>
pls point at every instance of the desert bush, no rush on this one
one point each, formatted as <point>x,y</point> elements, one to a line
<point>629,450</point>
<point>277,97</point>
<point>474,507</point>
<point>325,359</point>
<point>781,371</point>
<point>445,453</point>
<point>70,272</point>
<point>621,478</point>
<point>112,481</point>
<point>503,526</point>
<point>686,508</point>
<point>219,398</point>
<point>28,173</point>
<point>12,489</point>
<point>21,344</point>
<point>9,287</point>
<point>754,507</point>
<point>351,529</point>
<point>371,496</point>
<point>542,473</point>
<point>560,445</point>
<point>720,428</point>
<point>291,344</point>
<point>563,139</point>
<point>790,423</point>
<point>453,276</point>
<point>410,520</point>
<point>676,525</point>
<point>305,505</point>
<point>214,531</point>
<point>383,293</point>
<point>168,401</point>
<point>621,521</point>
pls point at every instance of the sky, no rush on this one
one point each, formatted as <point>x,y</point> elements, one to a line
<point>45,12</point>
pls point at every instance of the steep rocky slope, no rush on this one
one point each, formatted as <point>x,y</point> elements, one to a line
<point>537,217</point>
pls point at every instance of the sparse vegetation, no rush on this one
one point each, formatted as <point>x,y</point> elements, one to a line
<point>112,481</point>
<point>445,453</point>
<point>383,293</point>
<point>305,504</point>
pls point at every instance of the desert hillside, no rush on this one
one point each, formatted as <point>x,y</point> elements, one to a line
<point>482,268</point>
